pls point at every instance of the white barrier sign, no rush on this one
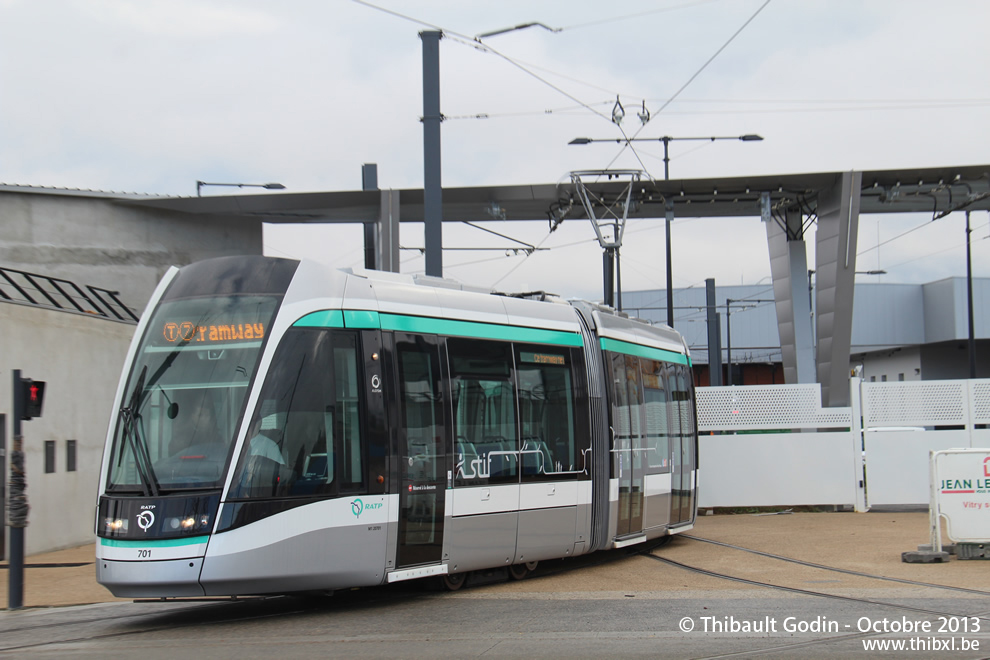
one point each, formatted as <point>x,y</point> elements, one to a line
<point>961,493</point>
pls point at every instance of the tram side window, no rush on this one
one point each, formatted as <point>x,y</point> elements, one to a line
<point>549,448</point>
<point>348,418</point>
<point>627,408</point>
<point>485,447</point>
<point>682,395</point>
<point>657,424</point>
<point>309,398</point>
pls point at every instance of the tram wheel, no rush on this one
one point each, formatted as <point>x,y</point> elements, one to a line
<point>453,581</point>
<point>520,571</point>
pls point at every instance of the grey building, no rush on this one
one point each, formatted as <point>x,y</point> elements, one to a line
<point>899,332</point>
<point>64,255</point>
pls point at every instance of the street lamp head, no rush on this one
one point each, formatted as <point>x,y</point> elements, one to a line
<point>266,186</point>
<point>581,140</point>
<point>751,137</point>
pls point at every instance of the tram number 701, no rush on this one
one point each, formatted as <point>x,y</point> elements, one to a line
<point>144,554</point>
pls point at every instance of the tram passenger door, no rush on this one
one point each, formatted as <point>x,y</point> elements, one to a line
<point>628,444</point>
<point>682,445</point>
<point>422,454</point>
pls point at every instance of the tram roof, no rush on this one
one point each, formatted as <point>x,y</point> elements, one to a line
<point>930,189</point>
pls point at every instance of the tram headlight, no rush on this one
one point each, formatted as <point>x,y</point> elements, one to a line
<point>115,525</point>
<point>188,523</point>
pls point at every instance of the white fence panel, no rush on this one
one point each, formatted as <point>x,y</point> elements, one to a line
<point>979,402</point>
<point>900,424</point>
<point>776,469</point>
<point>915,403</point>
<point>763,407</point>
<point>897,463</point>
<point>897,453</point>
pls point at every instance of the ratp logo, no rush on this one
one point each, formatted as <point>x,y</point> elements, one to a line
<point>145,519</point>
<point>358,507</point>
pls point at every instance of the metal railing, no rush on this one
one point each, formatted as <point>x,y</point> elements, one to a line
<point>59,293</point>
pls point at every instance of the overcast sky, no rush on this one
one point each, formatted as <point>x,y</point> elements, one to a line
<point>151,95</point>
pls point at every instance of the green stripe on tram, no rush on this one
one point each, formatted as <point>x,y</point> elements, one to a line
<point>426,325</point>
<point>362,319</point>
<point>648,352</point>
<point>155,543</point>
<point>331,318</point>
<point>478,330</point>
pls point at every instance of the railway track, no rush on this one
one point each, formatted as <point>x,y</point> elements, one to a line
<point>93,624</point>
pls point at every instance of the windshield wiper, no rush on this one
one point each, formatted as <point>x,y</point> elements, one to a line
<point>131,416</point>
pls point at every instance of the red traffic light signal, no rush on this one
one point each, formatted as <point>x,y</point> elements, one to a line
<point>32,398</point>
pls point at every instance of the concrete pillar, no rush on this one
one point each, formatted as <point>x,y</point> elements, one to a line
<point>388,232</point>
<point>381,238</point>
<point>835,272</point>
<point>369,181</point>
<point>789,269</point>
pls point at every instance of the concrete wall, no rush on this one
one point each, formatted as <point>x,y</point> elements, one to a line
<point>80,357</point>
<point>106,243</point>
<point>90,239</point>
<point>887,366</point>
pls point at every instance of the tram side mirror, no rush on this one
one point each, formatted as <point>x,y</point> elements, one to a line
<point>173,410</point>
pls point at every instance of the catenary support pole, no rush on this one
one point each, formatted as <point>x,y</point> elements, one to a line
<point>432,191</point>
<point>714,336</point>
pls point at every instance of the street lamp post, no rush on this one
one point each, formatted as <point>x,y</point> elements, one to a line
<point>266,186</point>
<point>667,139</point>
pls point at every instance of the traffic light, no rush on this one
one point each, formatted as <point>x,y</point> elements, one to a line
<point>32,397</point>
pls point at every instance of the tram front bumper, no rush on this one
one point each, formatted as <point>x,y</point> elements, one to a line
<point>173,578</point>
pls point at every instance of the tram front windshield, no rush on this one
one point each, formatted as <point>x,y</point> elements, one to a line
<point>185,393</point>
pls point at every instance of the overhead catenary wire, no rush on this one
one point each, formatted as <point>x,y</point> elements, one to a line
<point>626,17</point>
<point>653,115</point>
<point>818,106</point>
<point>476,43</point>
<point>926,223</point>
<point>705,65</point>
<point>937,252</point>
<point>486,48</point>
<point>463,39</point>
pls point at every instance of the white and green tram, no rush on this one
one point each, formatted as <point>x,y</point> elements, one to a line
<point>281,426</point>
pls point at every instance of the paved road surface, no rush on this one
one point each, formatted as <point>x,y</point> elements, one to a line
<point>607,605</point>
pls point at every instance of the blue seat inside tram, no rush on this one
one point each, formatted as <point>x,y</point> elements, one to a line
<point>536,457</point>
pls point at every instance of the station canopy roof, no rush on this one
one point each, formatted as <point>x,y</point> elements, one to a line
<point>932,190</point>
